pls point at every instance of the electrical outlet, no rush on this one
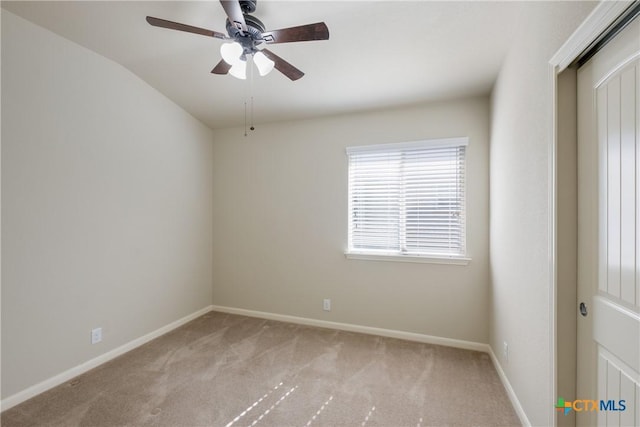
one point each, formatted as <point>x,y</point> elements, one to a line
<point>505,351</point>
<point>96,335</point>
<point>326,305</point>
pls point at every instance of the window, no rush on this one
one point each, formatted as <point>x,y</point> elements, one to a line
<point>408,200</point>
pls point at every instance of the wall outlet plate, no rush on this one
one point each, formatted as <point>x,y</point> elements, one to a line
<point>326,304</point>
<point>96,335</point>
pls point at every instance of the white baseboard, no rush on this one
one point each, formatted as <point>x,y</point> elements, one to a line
<point>409,336</point>
<point>65,376</point>
<point>510,392</point>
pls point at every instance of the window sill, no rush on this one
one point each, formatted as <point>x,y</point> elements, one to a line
<point>451,260</point>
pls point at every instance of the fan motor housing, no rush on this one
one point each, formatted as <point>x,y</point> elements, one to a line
<point>251,38</point>
<point>248,6</point>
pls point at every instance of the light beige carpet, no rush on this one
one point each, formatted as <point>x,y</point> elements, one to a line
<point>229,370</point>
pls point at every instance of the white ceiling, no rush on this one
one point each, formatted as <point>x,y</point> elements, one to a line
<point>381,54</point>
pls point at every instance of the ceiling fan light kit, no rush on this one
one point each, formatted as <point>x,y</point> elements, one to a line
<point>234,55</point>
<point>248,38</point>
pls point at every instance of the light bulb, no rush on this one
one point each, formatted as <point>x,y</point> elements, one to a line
<point>239,70</point>
<point>264,64</point>
<point>231,52</point>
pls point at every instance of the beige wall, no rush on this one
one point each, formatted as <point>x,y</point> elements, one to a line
<point>106,206</point>
<point>280,225</point>
<point>520,255</point>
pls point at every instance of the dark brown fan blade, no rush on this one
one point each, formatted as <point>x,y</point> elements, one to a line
<point>234,13</point>
<point>157,22</point>
<point>303,33</point>
<point>283,66</point>
<point>221,68</point>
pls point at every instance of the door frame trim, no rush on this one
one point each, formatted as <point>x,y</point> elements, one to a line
<point>600,19</point>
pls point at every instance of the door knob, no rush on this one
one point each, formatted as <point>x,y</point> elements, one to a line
<point>583,309</point>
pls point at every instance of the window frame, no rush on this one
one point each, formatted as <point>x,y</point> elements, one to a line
<point>433,258</point>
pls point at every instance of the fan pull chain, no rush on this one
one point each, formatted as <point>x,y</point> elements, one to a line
<point>252,127</point>
<point>249,94</point>
<point>251,90</point>
<point>245,117</point>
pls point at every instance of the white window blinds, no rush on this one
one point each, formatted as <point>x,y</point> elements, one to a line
<point>408,199</point>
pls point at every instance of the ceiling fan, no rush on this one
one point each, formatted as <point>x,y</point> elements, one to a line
<point>248,38</point>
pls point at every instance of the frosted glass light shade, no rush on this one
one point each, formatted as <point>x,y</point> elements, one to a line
<point>264,64</point>
<point>231,52</point>
<point>239,70</point>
